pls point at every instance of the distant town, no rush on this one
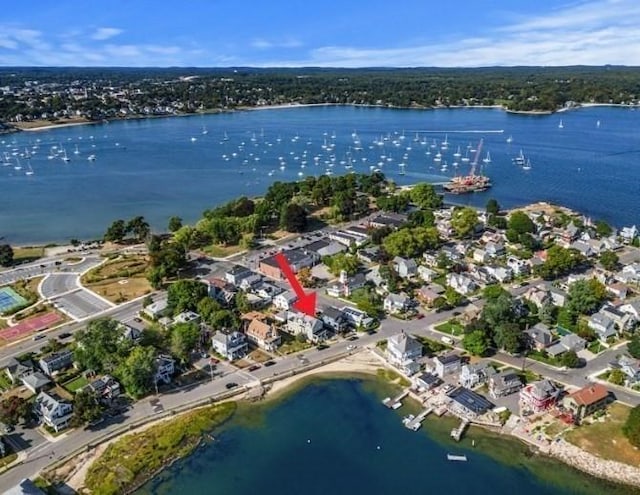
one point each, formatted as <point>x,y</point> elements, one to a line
<point>520,321</point>
<point>35,97</point>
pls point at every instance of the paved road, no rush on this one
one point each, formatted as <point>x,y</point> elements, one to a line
<point>58,283</point>
<point>49,265</point>
<point>81,304</point>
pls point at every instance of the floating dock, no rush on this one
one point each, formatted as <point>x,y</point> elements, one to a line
<point>453,457</point>
<point>396,402</point>
<point>457,433</point>
<point>415,423</point>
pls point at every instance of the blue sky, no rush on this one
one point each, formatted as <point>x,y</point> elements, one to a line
<point>330,33</point>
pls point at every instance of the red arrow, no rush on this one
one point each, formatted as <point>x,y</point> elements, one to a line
<point>306,302</point>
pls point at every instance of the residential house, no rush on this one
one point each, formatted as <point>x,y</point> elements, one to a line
<point>347,239</point>
<point>296,258</point>
<point>334,319</point>
<point>302,324</point>
<point>324,248</point>
<point>132,331</point>
<point>397,303</point>
<point>558,297</point>
<point>468,403</point>
<point>504,383</point>
<point>584,248</point>
<point>494,249</point>
<point>518,266</point>
<point>187,317</point>
<point>447,365</point>
<point>480,275</point>
<point>356,317</point>
<point>53,411</point>
<point>235,275</point>
<point>426,381</point>
<point>369,255</point>
<point>231,345</point>
<point>165,368</point>
<point>263,335</point>
<point>475,374</point>
<point>156,309</point>
<point>220,290</point>
<point>426,273</point>
<point>105,387</point>
<point>17,369</point>
<point>586,401</point>
<point>569,342</point>
<point>480,256</point>
<point>540,336</point>
<point>630,273</point>
<point>393,220</point>
<point>618,290</point>
<point>285,300</point>
<point>403,351</point>
<point>358,231</point>
<point>35,381</point>
<point>537,295</point>
<point>539,396</point>
<point>629,366</point>
<point>461,283</point>
<point>249,283</point>
<point>603,326</point>
<point>346,285</point>
<point>56,361</point>
<point>405,268</point>
<point>500,273</point>
<point>471,312</point>
<point>570,233</point>
<point>628,234</point>
<point>430,259</point>
<point>632,308</point>
<point>623,321</point>
<point>427,295</point>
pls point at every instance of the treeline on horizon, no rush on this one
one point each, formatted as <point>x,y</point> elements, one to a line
<point>516,88</point>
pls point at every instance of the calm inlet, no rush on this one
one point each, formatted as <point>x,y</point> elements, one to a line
<point>72,182</point>
<point>334,436</point>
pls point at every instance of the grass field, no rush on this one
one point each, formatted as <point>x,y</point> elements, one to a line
<point>119,280</point>
<point>134,458</point>
<point>290,344</point>
<point>29,253</point>
<point>605,438</point>
<point>76,384</point>
<point>452,328</point>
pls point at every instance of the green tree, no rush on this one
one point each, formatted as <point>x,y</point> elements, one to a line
<point>138,370</point>
<point>175,223</point>
<point>207,307</point>
<point>453,298</point>
<point>185,337</point>
<point>463,221</point>
<point>476,342</point>
<point>13,408</point>
<point>342,262</point>
<point>603,229</point>
<point>492,207</point>
<point>422,218</point>
<point>100,347</point>
<point>634,346</point>
<point>424,196</point>
<point>184,295</point>
<point>155,276</point>
<point>411,242</point>
<point>139,227</point>
<point>305,277</point>
<point>520,222</point>
<point>617,377</point>
<point>559,262</point>
<point>116,231</point>
<point>570,359</point>
<point>293,218</point>
<point>86,408</point>
<point>6,255</point>
<point>548,313</point>
<point>379,235</point>
<point>631,427</point>
<point>609,260</point>
<point>509,337</point>
<point>242,302</point>
<point>494,291</point>
<point>586,296</point>
<point>498,311</point>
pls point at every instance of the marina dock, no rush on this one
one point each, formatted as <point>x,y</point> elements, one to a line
<point>457,433</point>
<point>396,402</point>
<point>415,423</point>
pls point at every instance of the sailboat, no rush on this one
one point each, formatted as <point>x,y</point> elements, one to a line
<point>29,169</point>
<point>465,158</point>
<point>76,151</point>
<point>510,139</point>
<point>457,154</point>
<point>204,130</point>
<point>91,158</point>
<point>487,159</point>
<point>445,144</point>
<point>65,158</point>
<point>527,165</point>
<point>519,160</point>
<point>560,125</point>
<point>17,166</point>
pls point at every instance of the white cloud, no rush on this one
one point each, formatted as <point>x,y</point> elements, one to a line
<point>104,33</point>
<point>262,44</point>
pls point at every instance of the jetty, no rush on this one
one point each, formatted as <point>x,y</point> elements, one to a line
<point>416,422</point>
<point>457,433</point>
<point>396,402</point>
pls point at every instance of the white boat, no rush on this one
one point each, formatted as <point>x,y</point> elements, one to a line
<point>408,419</point>
<point>453,457</point>
<point>519,160</point>
<point>457,154</point>
<point>64,157</point>
<point>527,165</point>
<point>29,169</point>
<point>445,144</point>
<point>17,166</point>
<point>598,124</point>
<point>194,139</point>
<point>465,158</point>
<point>76,151</point>
<point>226,138</point>
<point>487,159</point>
<point>204,130</point>
<point>91,158</point>
<point>560,125</point>
<point>510,139</point>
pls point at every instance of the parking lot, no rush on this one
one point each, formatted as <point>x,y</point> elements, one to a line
<point>58,283</point>
<point>80,304</point>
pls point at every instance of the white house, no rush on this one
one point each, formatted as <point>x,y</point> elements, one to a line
<point>403,351</point>
<point>628,234</point>
<point>285,300</point>
<point>461,283</point>
<point>518,266</point>
<point>447,365</point>
<point>603,326</point>
<point>426,273</point>
<point>232,345</point>
<point>396,303</point>
<point>187,317</point>
<point>53,411</point>
<point>475,374</point>
<point>302,324</point>
<point>405,267</point>
<point>480,256</point>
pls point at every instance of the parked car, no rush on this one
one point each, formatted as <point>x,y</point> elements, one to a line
<point>64,335</point>
<point>253,367</point>
<point>38,337</point>
<point>269,363</point>
<point>231,385</point>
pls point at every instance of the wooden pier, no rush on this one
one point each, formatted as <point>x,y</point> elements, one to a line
<point>416,422</point>
<point>457,433</point>
<point>395,403</point>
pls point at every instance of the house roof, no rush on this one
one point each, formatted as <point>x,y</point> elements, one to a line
<point>404,343</point>
<point>590,394</point>
<point>429,378</point>
<point>317,245</point>
<point>471,400</point>
<point>448,359</point>
<point>332,312</point>
<point>571,341</point>
<point>25,487</point>
<point>293,256</point>
<point>36,380</point>
<point>259,329</point>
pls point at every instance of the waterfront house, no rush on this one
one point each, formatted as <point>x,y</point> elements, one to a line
<point>569,342</point>
<point>334,319</point>
<point>56,361</point>
<point>53,411</point>
<point>475,374</point>
<point>165,368</point>
<point>156,309</point>
<point>105,387</point>
<point>397,303</point>
<point>468,403</point>
<point>628,234</point>
<point>302,324</point>
<point>538,396</point>
<point>263,335</point>
<point>231,345</point>
<point>285,300</point>
<point>405,268</point>
<point>17,369</point>
<point>35,382</point>
<point>447,365</point>
<point>235,275</point>
<point>539,336</point>
<point>403,351</point>
<point>426,381</point>
<point>629,366</point>
<point>426,273</point>
<point>504,383</point>
<point>586,401</point>
<point>356,317</point>
<point>602,325</point>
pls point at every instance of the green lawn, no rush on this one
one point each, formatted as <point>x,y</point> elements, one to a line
<point>5,383</point>
<point>432,346</point>
<point>29,253</point>
<point>450,328</point>
<point>596,347</point>
<point>290,344</point>
<point>539,356</point>
<point>76,384</point>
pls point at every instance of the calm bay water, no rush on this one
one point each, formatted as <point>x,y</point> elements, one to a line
<point>334,436</point>
<point>154,168</point>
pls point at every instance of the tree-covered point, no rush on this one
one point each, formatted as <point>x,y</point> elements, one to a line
<point>517,88</point>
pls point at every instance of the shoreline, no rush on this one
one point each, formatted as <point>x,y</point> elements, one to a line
<point>366,364</point>
<point>286,106</point>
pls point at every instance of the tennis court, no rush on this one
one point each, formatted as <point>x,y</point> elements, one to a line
<point>10,299</point>
<point>30,325</point>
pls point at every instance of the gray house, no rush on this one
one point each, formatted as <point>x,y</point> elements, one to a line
<point>504,383</point>
<point>447,365</point>
<point>403,351</point>
<point>56,361</point>
<point>229,345</point>
<point>405,267</point>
